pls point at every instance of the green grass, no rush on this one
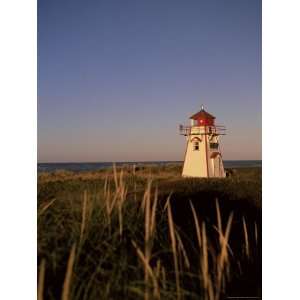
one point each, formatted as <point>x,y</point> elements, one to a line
<point>134,235</point>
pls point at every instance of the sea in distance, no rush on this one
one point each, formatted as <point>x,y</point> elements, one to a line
<point>93,166</point>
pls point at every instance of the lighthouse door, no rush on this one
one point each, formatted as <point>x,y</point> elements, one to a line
<point>217,165</point>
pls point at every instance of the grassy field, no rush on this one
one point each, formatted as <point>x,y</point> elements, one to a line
<point>147,233</point>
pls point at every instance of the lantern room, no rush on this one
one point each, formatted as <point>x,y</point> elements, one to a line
<point>202,118</point>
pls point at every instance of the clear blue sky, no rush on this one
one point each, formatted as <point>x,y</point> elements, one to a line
<point>116,78</point>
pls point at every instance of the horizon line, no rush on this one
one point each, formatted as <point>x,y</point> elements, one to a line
<point>138,161</point>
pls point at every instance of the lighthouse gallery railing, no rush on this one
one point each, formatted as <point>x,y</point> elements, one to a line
<point>197,130</point>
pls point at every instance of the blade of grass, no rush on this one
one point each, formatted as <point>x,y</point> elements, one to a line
<point>219,221</point>
<point>149,270</point>
<point>197,226</point>
<point>46,206</point>
<point>223,256</point>
<point>84,215</point>
<point>204,261</point>
<point>246,238</point>
<point>68,277</point>
<point>182,249</point>
<point>174,248</point>
<point>41,283</point>
<point>255,233</point>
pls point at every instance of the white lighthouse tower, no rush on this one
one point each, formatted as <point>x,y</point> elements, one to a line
<point>203,156</point>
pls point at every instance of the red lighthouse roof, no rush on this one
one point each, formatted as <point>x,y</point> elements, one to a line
<point>202,114</point>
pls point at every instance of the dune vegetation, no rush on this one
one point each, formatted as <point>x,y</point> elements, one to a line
<point>146,233</point>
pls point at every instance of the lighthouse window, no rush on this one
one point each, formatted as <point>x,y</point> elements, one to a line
<point>196,146</point>
<point>214,145</point>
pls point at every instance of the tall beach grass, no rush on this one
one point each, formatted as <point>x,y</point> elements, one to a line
<point>153,236</point>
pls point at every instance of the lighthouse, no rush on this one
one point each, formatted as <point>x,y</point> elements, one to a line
<point>203,156</point>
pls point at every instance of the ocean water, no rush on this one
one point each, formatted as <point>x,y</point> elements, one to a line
<point>86,166</point>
